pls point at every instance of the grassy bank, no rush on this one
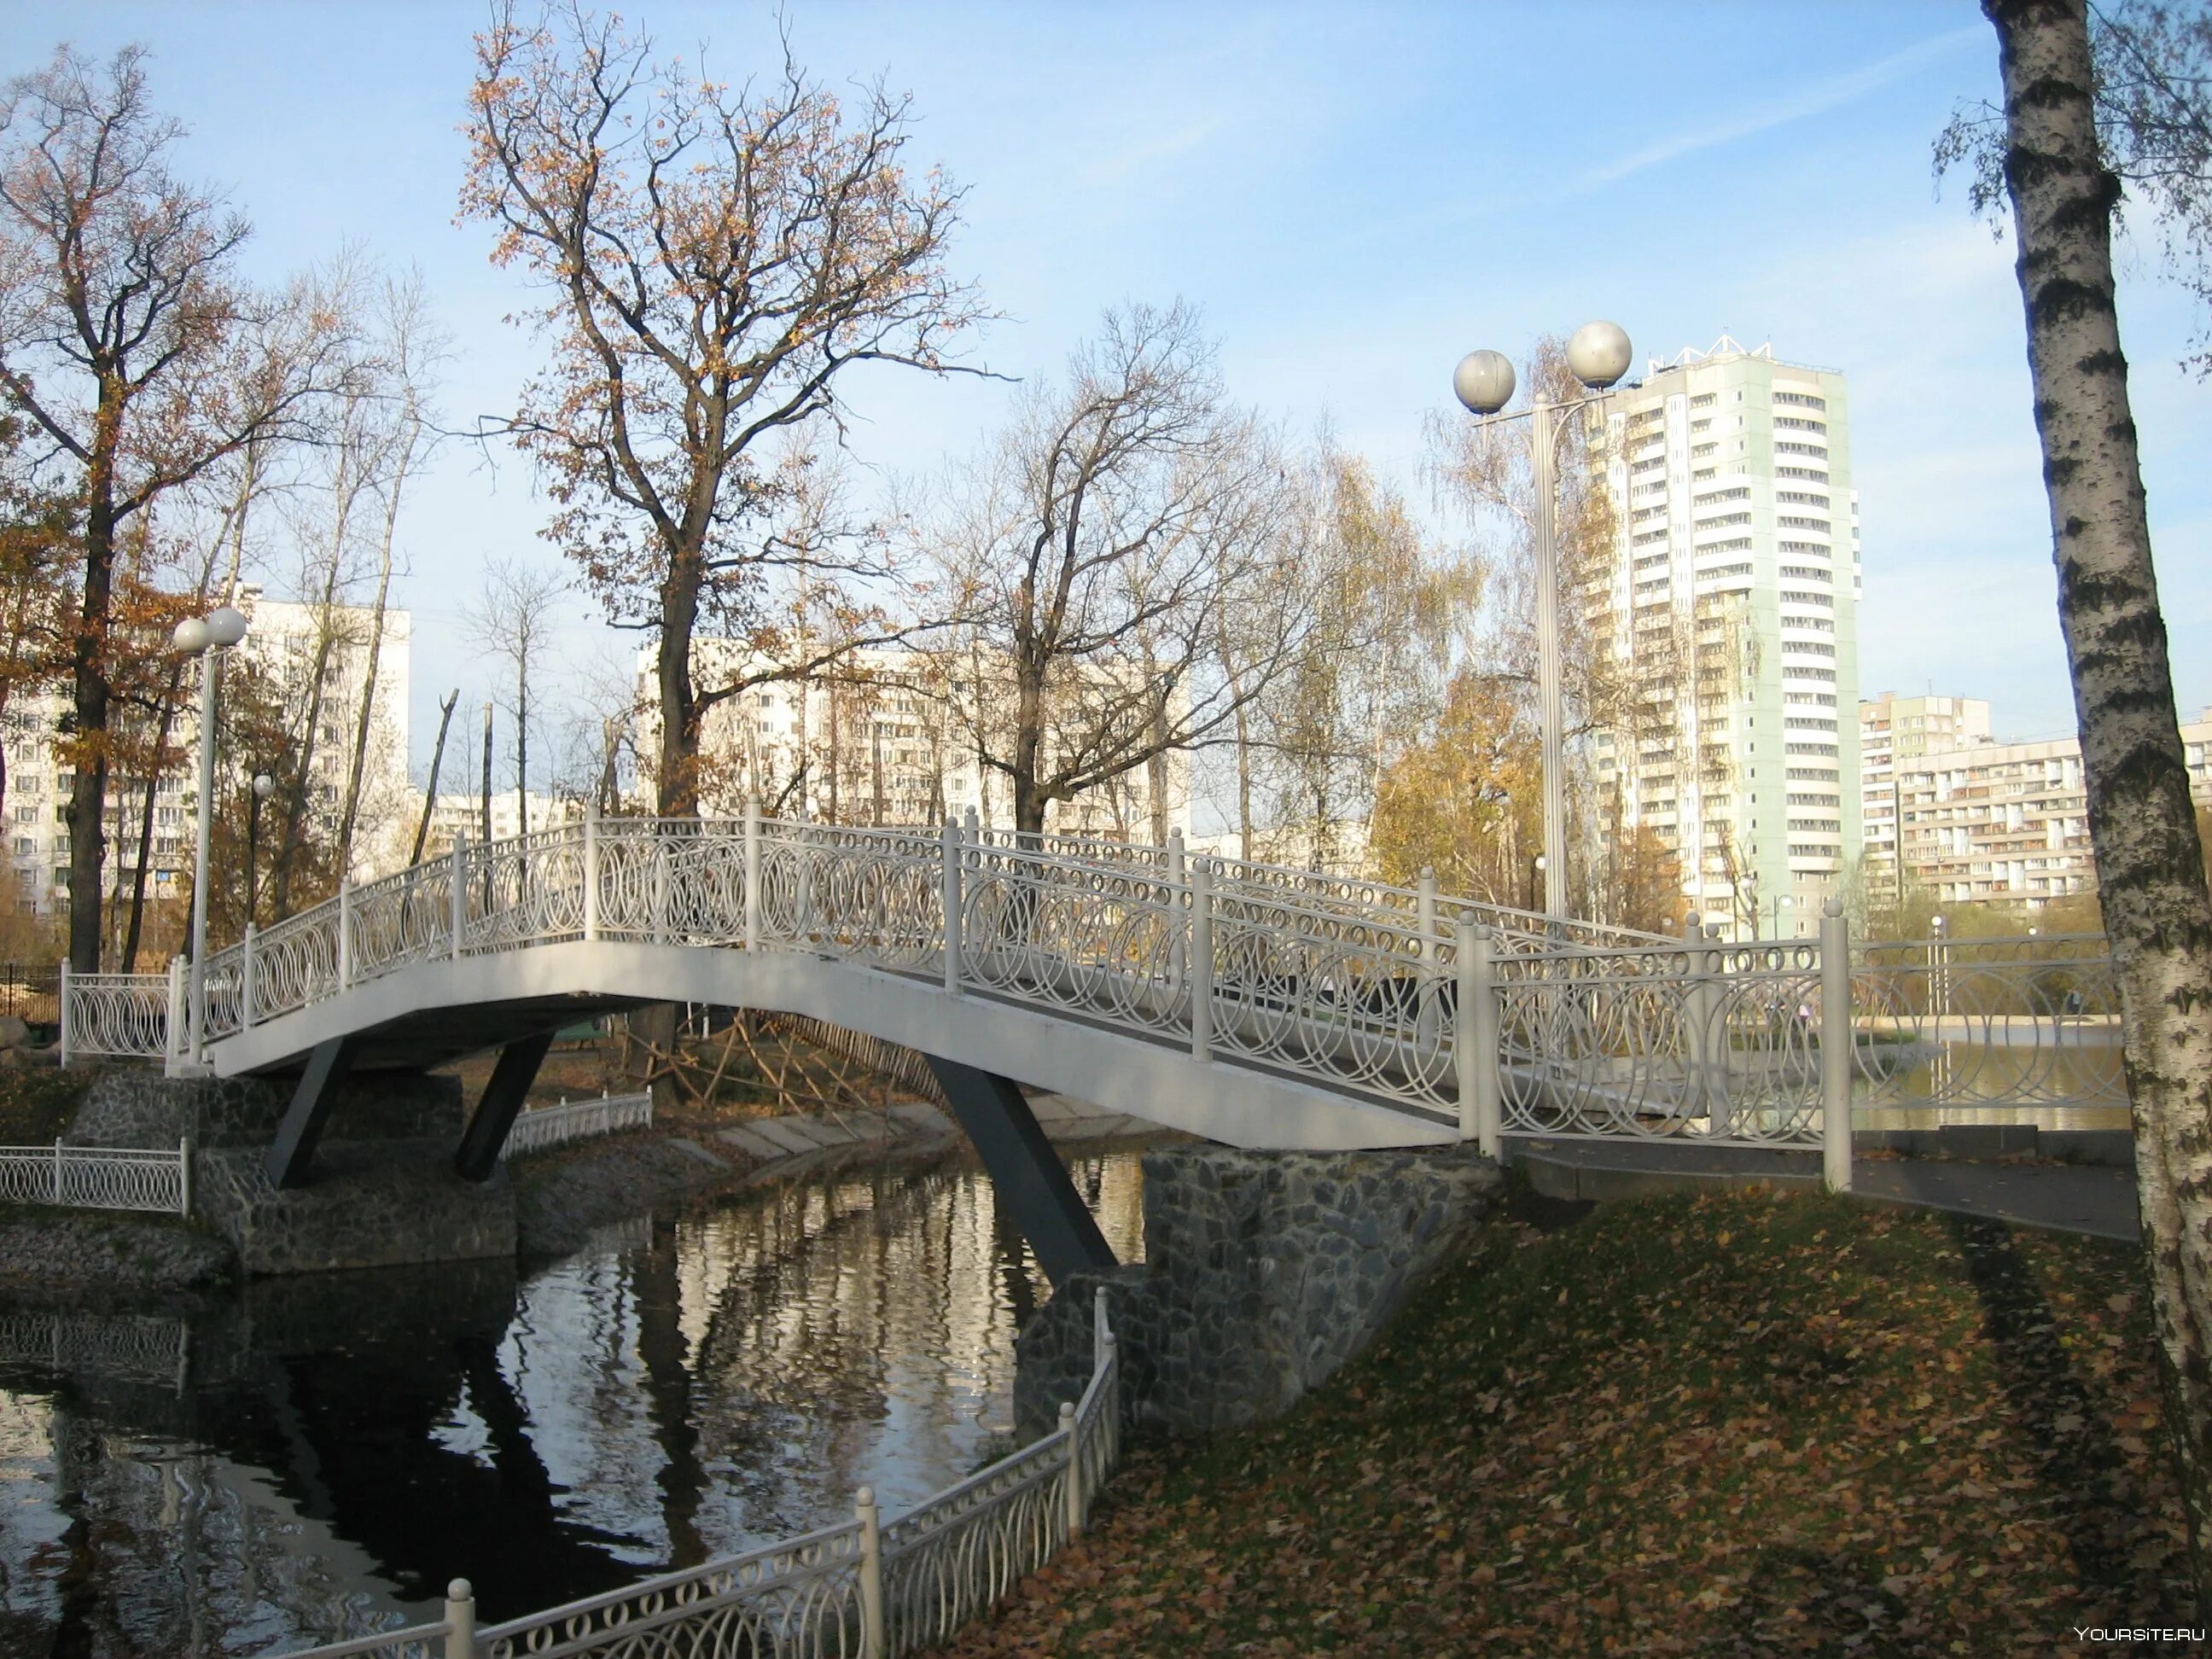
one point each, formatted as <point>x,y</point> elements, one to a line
<point>36,1106</point>
<point>1735,1425</point>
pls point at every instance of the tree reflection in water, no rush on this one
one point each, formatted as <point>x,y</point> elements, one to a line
<point>318,1458</point>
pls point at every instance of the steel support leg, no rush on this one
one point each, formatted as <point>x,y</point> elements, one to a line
<point>1025,1171</point>
<point>310,1109</point>
<point>494,1115</point>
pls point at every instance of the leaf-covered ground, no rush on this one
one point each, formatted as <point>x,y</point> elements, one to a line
<point>1733,1424</point>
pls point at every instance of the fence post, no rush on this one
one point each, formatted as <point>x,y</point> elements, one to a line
<point>61,1001</point>
<point>953,907</point>
<point>1425,910</point>
<point>1838,1044</point>
<point>460,1620</point>
<point>592,872</point>
<point>1475,1045</point>
<point>461,890</point>
<point>173,1034</point>
<point>1698,1089</point>
<point>1074,1488</point>
<point>872,1645</point>
<point>1201,959</point>
<point>246,988</point>
<point>1178,897</point>
<point>185,1176</point>
<point>752,874</point>
<point>57,1171</point>
<point>975,823</point>
<point>345,932</point>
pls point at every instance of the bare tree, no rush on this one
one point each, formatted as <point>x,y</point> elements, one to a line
<point>1094,555</point>
<point>2150,865</point>
<point>130,344</point>
<point>411,347</point>
<point>713,261</point>
<point>513,624</point>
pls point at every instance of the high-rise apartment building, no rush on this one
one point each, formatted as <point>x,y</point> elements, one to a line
<point>285,640</point>
<point>1731,603</point>
<point>1984,821</point>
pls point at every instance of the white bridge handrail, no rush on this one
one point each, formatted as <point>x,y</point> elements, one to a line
<point>868,1587</point>
<point>1352,986</point>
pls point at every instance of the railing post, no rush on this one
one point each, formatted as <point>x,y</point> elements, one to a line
<point>592,872</point>
<point>1201,959</point>
<point>57,1171</point>
<point>246,988</point>
<point>752,874</point>
<point>872,1644</point>
<point>1475,1043</point>
<point>1699,1090</point>
<point>461,890</point>
<point>61,1002</point>
<point>460,1620</point>
<point>1837,1043</point>
<point>174,1035</point>
<point>1424,911</point>
<point>1074,1487</point>
<point>345,932</point>
<point>1179,903</point>
<point>975,823</point>
<point>953,907</point>
<point>185,1176</point>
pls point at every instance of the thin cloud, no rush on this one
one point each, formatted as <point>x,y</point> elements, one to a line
<point>1112,168</point>
<point>1817,98</point>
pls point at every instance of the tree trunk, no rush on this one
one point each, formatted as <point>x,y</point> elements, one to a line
<point>2150,866</point>
<point>88,787</point>
<point>154,770</point>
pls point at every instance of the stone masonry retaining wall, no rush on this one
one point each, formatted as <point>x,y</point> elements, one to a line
<point>371,1204</point>
<point>1263,1273</point>
<point>135,1108</point>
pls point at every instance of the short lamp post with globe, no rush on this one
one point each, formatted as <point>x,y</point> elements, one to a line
<point>206,638</point>
<point>1598,356</point>
<point>264,787</point>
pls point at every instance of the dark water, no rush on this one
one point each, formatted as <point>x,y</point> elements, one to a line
<point>316,1460</point>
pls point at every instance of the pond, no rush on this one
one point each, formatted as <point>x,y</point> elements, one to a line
<point>316,1459</point>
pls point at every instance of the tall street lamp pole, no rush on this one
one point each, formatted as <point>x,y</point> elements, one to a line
<point>264,787</point>
<point>1598,355</point>
<point>206,638</point>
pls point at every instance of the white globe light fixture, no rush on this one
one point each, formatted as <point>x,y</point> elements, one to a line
<point>264,784</point>
<point>225,626</point>
<point>1484,381</point>
<point>1598,355</point>
<point>190,637</point>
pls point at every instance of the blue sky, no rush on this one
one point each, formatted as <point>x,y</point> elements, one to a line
<point>1355,196</point>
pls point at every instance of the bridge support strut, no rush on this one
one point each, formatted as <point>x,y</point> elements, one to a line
<point>1025,1171</point>
<point>312,1100</point>
<point>511,1077</point>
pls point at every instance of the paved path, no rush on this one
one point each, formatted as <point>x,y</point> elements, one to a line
<point>2068,1198</point>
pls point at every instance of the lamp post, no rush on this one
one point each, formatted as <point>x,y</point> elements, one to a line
<point>1782,902</point>
<point>264,787</point>
<point>206,638</point>
<point>1598,355</point>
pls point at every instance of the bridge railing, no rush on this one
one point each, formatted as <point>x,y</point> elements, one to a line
<point>576,1120</point>
<point>1352,986</point>
<point>865,1588</point>
<point>157,1178</point>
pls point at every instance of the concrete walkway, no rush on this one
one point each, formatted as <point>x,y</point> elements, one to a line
<point>2065,1198</point>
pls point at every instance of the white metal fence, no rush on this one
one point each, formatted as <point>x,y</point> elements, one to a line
<point>1459,1012</point>
<point>98,1177</point>
<point>863,1588</point>
<point>576,1120</point>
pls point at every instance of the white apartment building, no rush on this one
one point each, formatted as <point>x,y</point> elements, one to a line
<point>463,812</point>
<point>1732,600</point>
<point>1985,821</point>
<point>282,640</point>
<point>882,744</point>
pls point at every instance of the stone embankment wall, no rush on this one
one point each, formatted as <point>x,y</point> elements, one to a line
<point>383,1192</point>
<point>1263,1273</point>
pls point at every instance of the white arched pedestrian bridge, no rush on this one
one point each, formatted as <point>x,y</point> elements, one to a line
<point>1250,1004</point>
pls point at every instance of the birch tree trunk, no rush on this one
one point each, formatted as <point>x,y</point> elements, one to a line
<point>2150,869</point>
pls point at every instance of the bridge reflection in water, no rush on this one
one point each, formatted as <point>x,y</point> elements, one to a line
<point>317,1460</point>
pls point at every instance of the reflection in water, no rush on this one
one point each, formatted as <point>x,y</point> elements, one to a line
<point>316,1461</point>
